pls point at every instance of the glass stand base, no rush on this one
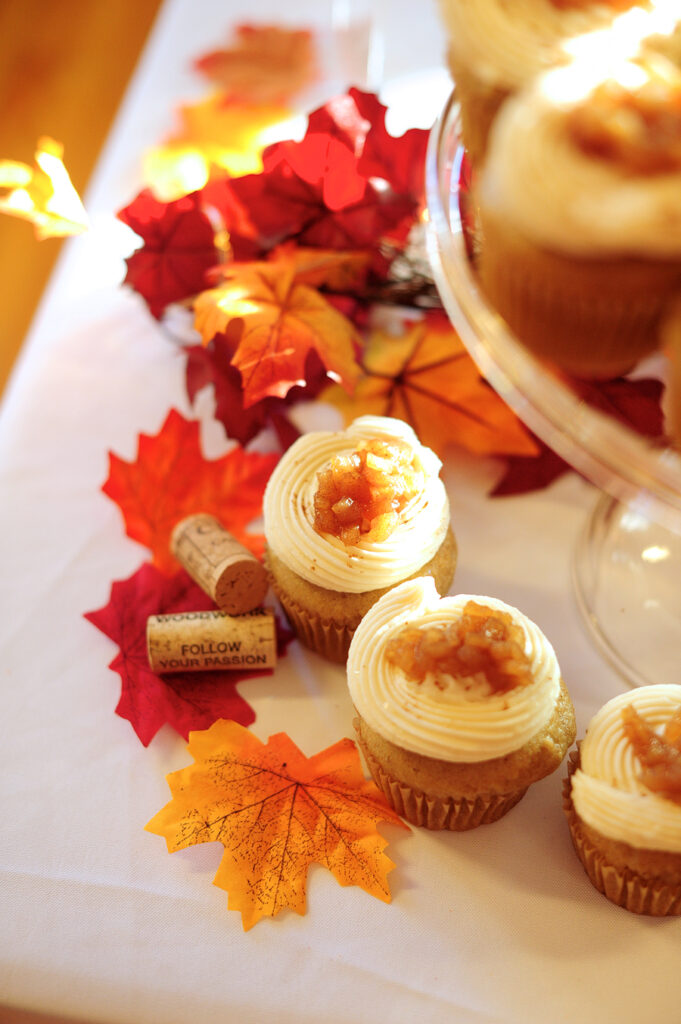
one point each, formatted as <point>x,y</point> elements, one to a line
<point>626,572</point>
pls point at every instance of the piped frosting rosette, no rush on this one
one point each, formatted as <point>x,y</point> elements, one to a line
<point>607,793</point>
<point>559,195</point>
<point>452,722</point>
<point>325,560</point>
<point>508,43</point>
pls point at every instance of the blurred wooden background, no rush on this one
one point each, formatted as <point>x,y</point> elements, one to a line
<point>64,67</point>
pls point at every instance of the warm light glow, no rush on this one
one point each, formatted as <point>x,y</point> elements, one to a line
<point>655,553</point>
<point>607,53</point>
<point>44,194</point>
<point>216,137</point>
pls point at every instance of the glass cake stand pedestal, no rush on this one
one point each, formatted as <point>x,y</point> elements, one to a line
<point>627,563</point>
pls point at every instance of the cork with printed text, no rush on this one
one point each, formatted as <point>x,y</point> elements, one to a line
<point>212,641</point>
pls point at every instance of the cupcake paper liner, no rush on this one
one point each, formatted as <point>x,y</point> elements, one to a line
<point>324,636</point>
<point>624,888</point>
<point>456,815</point>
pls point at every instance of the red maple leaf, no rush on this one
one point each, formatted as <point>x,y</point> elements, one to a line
<point>399,160</point>
<point>357,119</point>
<point>178,250</point>
<point>312,191</point>
<point>184,700</point>
<point>211,366</point>
<point>171,479</point>
<point>635,403</point>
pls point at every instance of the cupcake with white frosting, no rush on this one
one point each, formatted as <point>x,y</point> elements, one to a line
<point>460,702</point>
<point>580,209</point>
<point>623,800</point>
<point>348,515</point>
<point>495,48</point>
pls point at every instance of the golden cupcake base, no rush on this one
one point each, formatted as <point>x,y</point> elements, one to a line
<point>640,891</point>
<point>325,620</point>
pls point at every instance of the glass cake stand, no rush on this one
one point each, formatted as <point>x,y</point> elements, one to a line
<point>627,563</point>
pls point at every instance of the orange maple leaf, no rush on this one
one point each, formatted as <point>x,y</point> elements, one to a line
<point>171,479</point>
<point>276,812</point>
<point>283,318</point>
<point>42,194</point>
<point>265,64</point>
<point>426,377</point>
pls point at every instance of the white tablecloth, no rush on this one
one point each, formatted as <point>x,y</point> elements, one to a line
<point>98,921</point>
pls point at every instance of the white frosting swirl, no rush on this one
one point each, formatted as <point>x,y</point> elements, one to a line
<point>507,44</point>
<point>323,559</point>
<point>606,791</point>
<point>540,182</point>
<point>445,724</point>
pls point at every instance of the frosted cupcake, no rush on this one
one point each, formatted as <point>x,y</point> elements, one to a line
<point>348,515</point>
<point>623,800</point>
<point>497,47</point>
<point>460,704</point>
<point>580,212</point>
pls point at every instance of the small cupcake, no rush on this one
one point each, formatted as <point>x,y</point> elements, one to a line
<point>348,515</point>
<point>460,705</point>
<point>495,48</point>
<point>580,213</point>
<point>622,799</point>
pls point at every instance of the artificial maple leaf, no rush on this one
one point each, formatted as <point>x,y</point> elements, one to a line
<point>358,120</point>
<point>525,473</point>
<point>183,700</point>
<point>211,365</point>
<point>265,64</point>
<point>312,191</point>
<point>171,479</point>
<point>276,812</point>
<point>283,320</point>
<point>212,137</point>
<point>43,194</point>
<point>426,377</point>
<point>634,403</point>
<point>179,248</point>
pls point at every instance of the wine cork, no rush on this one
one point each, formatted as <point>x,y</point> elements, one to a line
<point>225,569</point>
<point>210,641</point>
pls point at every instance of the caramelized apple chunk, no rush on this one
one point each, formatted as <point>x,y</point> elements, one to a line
<point>484,645</point>
<point>639,129</point>
<point>360,496</point>
<point>658,755</point>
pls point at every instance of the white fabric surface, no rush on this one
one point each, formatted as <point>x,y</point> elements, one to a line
<point>98,921</point>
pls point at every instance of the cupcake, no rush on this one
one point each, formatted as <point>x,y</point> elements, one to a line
<point>348,515</point>
<point>622,799</point>
<point>495,48</point>
<point>580,213</point>
<point>460,705</point>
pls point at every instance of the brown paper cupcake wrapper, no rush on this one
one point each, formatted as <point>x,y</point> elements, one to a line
<point>457,815</point>
<point>624,888</point>
<point>325,637</point>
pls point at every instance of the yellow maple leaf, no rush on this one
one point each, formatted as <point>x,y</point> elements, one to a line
<point>43,194</point>
<point>276,812</point>
<point>213,136</point>
<point>426,377</point>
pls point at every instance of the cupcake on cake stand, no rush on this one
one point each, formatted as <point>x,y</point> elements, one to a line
<point>627,564</point>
